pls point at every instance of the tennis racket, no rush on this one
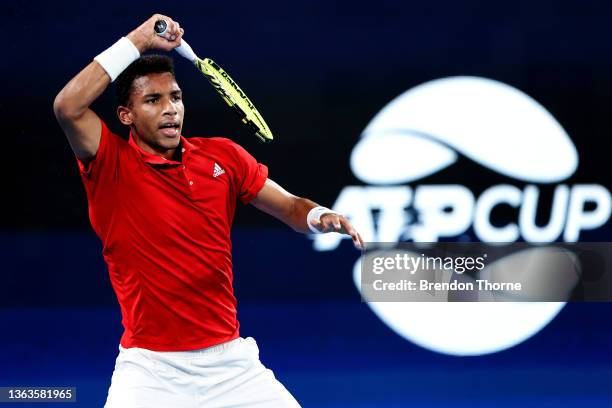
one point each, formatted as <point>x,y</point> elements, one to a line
<point>225,86</point>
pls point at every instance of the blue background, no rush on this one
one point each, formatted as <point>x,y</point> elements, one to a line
<point>318,71</point>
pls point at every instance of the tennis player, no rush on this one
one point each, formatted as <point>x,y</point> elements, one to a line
<point>163,205</point>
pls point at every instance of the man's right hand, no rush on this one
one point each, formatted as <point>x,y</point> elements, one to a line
<point>145,38</point>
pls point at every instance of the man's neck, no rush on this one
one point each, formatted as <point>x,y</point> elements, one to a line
<point>169,154</point>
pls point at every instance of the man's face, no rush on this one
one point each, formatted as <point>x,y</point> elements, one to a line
<point>155,110</point>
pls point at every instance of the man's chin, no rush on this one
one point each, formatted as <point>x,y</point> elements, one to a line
<point>170,144</point>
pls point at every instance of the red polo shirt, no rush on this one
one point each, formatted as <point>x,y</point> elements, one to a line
<point>165,230</point>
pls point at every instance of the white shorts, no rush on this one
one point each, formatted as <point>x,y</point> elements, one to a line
<point>227,375</point>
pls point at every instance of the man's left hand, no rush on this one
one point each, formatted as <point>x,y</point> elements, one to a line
<point>339,223</point>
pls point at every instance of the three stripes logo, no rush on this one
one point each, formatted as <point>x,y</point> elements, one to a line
<point>217,171</point>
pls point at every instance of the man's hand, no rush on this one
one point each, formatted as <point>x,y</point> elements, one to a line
<point>144,37</point>
<point>338,223</point>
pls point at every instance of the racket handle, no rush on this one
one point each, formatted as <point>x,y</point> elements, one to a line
<point>184,50</point>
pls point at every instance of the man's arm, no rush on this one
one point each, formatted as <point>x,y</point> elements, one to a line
<point>71,106</point>
<point>293,211</point>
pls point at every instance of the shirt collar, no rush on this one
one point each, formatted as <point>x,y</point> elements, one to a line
<point>185,145</point>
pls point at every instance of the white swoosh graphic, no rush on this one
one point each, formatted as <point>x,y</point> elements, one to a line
<point>489,122</point>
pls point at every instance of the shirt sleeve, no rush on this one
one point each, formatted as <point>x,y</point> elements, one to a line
<point>253,175</point>
<point>105,158</point>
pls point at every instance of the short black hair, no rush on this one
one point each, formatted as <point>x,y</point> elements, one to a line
<point>147,64</point>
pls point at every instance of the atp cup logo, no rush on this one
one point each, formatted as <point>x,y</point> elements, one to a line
<point>424,131</point>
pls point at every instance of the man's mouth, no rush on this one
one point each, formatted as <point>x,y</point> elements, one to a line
<point>170,129</point>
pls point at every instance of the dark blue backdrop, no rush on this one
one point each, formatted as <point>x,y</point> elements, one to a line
<point>338,63</point>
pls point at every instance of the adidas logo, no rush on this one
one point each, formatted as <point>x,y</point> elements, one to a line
<point>218,171</point>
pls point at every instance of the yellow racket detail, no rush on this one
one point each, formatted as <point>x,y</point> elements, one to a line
<point>235,97</point>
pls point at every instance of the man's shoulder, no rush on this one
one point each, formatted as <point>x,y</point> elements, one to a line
<point>112,135</point>
<point>112,140</point>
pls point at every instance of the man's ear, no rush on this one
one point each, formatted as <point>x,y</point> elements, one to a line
<point>125,115</point>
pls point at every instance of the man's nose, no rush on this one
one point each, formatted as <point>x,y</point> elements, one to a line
<point>169,108</point>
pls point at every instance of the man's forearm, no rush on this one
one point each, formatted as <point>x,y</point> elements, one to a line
<point>88,85</point>
<point>290,209</point>
<point>295,211</point>
<point>296,219</point>
<point>82,90</point>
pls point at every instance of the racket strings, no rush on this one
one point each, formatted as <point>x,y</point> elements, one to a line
<point>235,98</point>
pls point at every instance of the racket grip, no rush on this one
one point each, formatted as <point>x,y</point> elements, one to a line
<point>184,50</point>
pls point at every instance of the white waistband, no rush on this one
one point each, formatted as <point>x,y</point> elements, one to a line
<point>216,349</point>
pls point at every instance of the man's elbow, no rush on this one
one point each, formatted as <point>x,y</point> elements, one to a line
<point>65,110</point>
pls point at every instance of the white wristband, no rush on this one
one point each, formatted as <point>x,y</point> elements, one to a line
<point>315,214</point>
<point>118,57</point>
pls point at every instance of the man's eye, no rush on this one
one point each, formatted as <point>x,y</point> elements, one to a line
<point>153,100</point>
<point>177,97</point>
